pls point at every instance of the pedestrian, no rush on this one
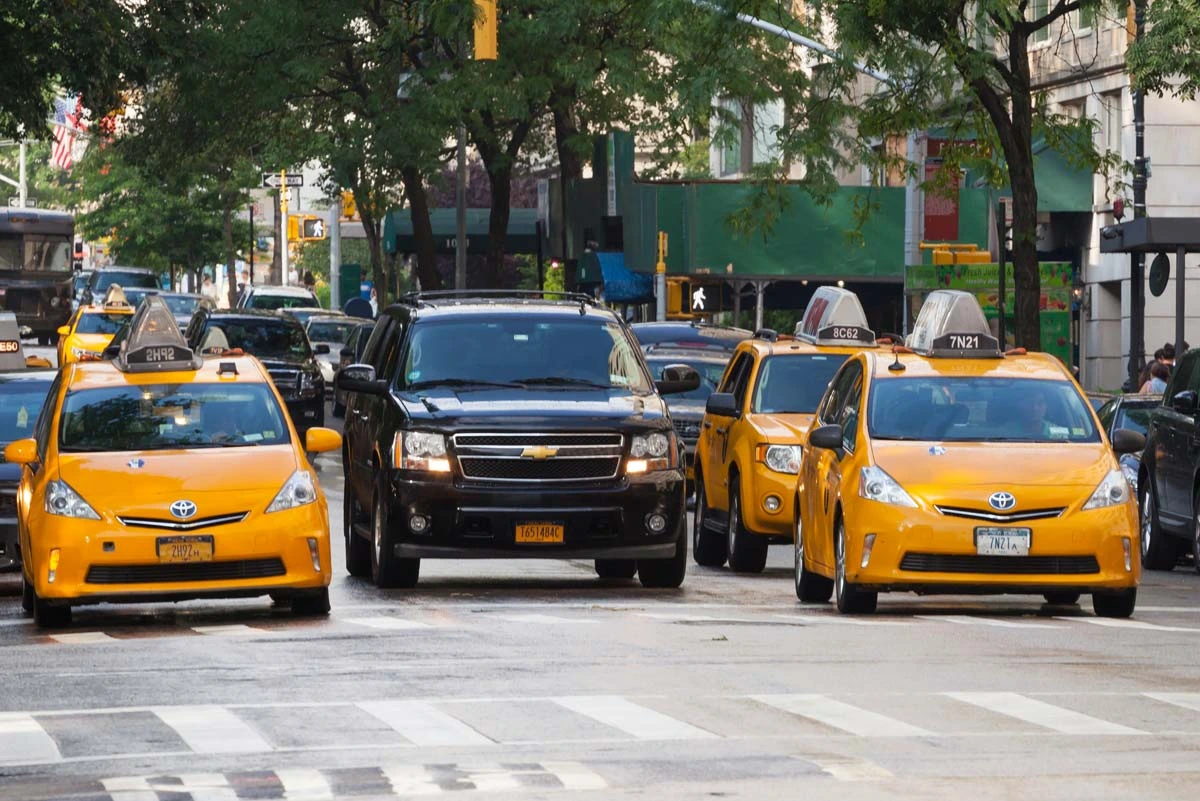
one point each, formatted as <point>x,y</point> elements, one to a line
<point>374,303</point>
<point>210,290</point>
<point>1168,354</point>
<point>310,281</point>
<point>1157,385</point>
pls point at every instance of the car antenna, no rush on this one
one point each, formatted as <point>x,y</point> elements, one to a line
<point>897,366</point>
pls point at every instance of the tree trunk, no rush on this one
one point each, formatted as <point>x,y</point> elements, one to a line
<point>418,206</point>
<point>501,181</point>
<point>375,244</point>
<point>277,256</point>
<point>1027,280</point>
<point>230,250</point>
<point>570,168</point>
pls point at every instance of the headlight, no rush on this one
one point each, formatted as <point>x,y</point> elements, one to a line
<point>876,485</point>
<point>54,301</point>
<point>299,490</point>
<point>1130,472</point>
<point>649,452</point>
<point>781,458</point>
<point>1113,491</point>
<point>63,501</point>
<point>310,381</point>
<point>420,450</point>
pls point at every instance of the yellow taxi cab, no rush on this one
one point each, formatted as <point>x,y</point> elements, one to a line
<point>948,466</point>
<point>161,475</point>
<point>754,429</point>
<point>91,328</point>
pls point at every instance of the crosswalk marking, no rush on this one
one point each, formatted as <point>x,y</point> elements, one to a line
<point>1117,623</point>
<point>967,620</point>
<point>389,623</point>
<point>841,715</point>
<point>574,776</point>
<point>410,780</point>
<point>1040,713</point>
<point>82,638</point>
<point>424,724</point>
<point>841,620</point>
<point>129,788</point>
<point>230,630</point>
<point>197,786</point>
<point>1186,700</point>
<point>633,719</point>
<point>543,619</point>
<point>848,768</point>
<point>23,740</point>
<point>300,784</point>
<point>212,729</point>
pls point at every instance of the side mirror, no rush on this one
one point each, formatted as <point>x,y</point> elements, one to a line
<point>322,440</point>
<point>1126,441</point>
<point>21,451</point>
<point>321,349</point>
<point>677,378</point>
<point>359,378</point>
<point>828,437</point>
<point>721,404</point>
<point>63,330</point>
<point>1184,402</point>
<point>347,353</point>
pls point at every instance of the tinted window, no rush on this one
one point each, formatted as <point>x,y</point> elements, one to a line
<point>710,376</point>
<point>321,331</point>
<point>979,410</point>
<point>265,338</point>
<point>105,279</point>
<point>100,323</point>
<point>739,365</point>
<point>167,416</point>
<point>1135,418</point>
<point>1181,377</point>
<point>181,305</point>
<point>793,383</point>
<point>20,402</point>
<point>261,300</point>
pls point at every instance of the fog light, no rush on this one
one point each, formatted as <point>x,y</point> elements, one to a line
<point>772,503</point>
<point>418,523</point>
<point>315,553</point>
<point>1128,554</point>
<point>54,557</point>
<point>656,523</point>
<point>868,544</point>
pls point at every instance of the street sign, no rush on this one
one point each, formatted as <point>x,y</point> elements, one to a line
<point>15,201</point>
<point>272,179</point>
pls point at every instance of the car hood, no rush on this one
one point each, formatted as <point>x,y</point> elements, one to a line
<point>91,341</point>
<point>783,428</point>
<point>532,406</point>
<point>686,410</point>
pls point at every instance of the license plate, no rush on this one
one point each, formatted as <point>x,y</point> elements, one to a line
<point>1002,541</point>
<point>540,533</point>
<point>197,548</point>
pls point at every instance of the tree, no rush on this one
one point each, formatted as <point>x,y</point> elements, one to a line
<point>49,186</point>
<point>1166,59</point>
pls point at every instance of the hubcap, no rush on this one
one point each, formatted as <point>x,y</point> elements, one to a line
<point>377,530</point>
<point>1147,526</point>
<point>840,569</point>
<point>698,516</point>
<point>733,521</point>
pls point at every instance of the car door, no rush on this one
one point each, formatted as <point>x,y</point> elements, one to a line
<point>360,407</point>
<point>824,481</point>
<point>1174,432</point>
<point>712,437</point>
<point>723,430</point>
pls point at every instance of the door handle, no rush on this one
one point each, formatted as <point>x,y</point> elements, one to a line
<point>722,430</point>
<point>707,425</point>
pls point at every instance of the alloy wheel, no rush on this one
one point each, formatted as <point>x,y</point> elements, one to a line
<point>839,573</point>
<point>1147,521</point>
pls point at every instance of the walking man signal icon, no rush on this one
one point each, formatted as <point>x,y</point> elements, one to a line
<point>698,299</point>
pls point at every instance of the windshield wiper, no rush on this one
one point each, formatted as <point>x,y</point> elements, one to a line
<point>560,381</point>
<point>460,383</point>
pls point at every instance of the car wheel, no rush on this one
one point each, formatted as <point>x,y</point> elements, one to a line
<point>1062,597</point>
<point>311,604</point>
<point>26,595</point>
<point>616,568</point>
<point>708,547</point>
<point>388,570</point>
<point>666,573</point>
<point>1196,534</point>
<point>358,550</point>
<point>850,599</point>
<point>1115,604</point>
<point>50,616</point>
<point>1158,552</point>
<point>747,552</point>
<point>810,587</point>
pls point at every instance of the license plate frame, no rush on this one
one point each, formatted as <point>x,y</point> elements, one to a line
<point>539,532</point>
<point>184,549</point>
<point>1003,540</point>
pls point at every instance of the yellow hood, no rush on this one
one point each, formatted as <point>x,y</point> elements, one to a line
<point>782,429</point>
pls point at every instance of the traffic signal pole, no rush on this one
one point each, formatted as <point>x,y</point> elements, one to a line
<point>1137,261</point>
<point>335,256</point>
<point>283,216</point>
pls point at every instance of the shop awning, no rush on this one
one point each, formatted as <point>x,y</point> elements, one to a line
<point>621,285</point>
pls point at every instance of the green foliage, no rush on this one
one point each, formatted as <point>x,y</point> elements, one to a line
<point>49,186</point>
<point>1166,60</point>
<point>314,256</point>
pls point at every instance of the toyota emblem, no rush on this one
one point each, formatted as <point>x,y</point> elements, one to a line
<point>185,509</point>
<point>1002,501</point>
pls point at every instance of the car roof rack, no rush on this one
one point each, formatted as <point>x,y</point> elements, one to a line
<point>835,316</point>
<point>423,297</point>
<point>951,324</point>
<point>155,343</point>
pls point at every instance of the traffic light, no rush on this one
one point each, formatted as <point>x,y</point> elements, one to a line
<point>485,30</point>
<point>306,228</point>
<point>349,208</point>
<point>77,256</point>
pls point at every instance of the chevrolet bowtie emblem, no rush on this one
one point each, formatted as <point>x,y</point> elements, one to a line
<point>539,452</point>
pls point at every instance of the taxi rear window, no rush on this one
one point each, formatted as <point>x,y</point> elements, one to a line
<point>170,416</point>
<point>979,410</point>
<point>100,323</point>
<point>793,384</point>
<point>20,402</point>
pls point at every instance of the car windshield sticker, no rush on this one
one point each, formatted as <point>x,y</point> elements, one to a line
<point>937,450</point>
<point>136,464</point>
<point>254,437</point>
<point>22,417</point>
<point>1059,432</point>
<point>414,375</point>
<point>618,380</point>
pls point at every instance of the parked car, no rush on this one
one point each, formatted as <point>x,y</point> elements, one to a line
<point>126,277</point>
<point>182,304</point>
<point>1131,412</point>
<point>273,298</point>
<point>78,285</point>
<point>690,335</point>
<point>1098,399</point>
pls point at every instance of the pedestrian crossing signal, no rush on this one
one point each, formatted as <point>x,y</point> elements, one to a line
<point>306,227</point>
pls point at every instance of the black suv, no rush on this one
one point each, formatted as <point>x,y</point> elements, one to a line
<point>510,424</point>
<point>279,343</point>
<point>126,277</point>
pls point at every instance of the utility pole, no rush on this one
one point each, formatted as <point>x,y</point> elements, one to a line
<point>460,213</point>
<point>335,256</point>
<point>283,217</point>
<point>1137,261</point>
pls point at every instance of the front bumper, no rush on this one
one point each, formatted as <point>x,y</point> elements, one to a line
<point>1080,550</point>
<point>468,519</point>
<point>758,485</point>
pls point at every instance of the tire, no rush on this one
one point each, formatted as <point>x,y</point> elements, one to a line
<point>850,599</point>
<point>47,616</point>
<point>810,587</point>
<point>358,550</point>
<point>747,552</point>
<point>313,604</point>
<point>616,568</point>
<point>1115,604</point>
<point>666,573</point>
<point>1196,533</point>
<point>1062,597</point>
<point>1158,551</point>
<point>709,549</point>
<point>26,595</point>
<point>387,570</point>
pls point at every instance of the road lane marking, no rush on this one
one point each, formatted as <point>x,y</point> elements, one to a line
<point>23,740</point>
<point>301,784</point>
<point>424,724</point>
<point>543,619</point>
<point>1040,713</point>
<point>633,719</point>
<point>388,623</point>
<point>841,620</point>
<point>211,729</point>
<point>841,715</point>
<point>574,776</point>
<point>230,630</point>
<point>847,768</point>
<point>1185,700</point>
<point>83,638</point>
<point>1116,623</point>
<point>967,620</point>
<point>129,788</point>
<point>197,786</point>
<point>410,780</point>
<point>205,787</point>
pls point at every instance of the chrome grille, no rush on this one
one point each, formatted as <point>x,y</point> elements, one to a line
<point>688,430</point>
<point>539,457</point>
<point>286,380</point>
<point>183,525</point>
<point>1002,517</point>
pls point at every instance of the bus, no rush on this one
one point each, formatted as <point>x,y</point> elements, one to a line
<point>36,279</point>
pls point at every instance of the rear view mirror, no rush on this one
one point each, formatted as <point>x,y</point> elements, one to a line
<point>63,330</point>
<point>677,378</point>
<point>1126,441</point>
<point>321,349</point>
<point>359,378</point>
<point>721,404</point>
<point>1184,402</point>
<point>21,451</point>
<point>828,437</point>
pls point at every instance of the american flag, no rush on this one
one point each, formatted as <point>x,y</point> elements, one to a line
<point>67,112</point>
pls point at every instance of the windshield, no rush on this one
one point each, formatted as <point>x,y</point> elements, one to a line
<point>20,402</point>
<point>794,384</point>
<point>979,410</point>
<point>1135,418</point>
<point>167,416</point>
<point>330,332</point>
<point>710,376</point>
<point>100,323</point>
<point>526,350</point>
<point>265,338</point>
<point>272,302</point>
<point>106,279</point>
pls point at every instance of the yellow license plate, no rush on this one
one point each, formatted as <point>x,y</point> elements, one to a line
<point>185,549</point>
<point>540,533</point>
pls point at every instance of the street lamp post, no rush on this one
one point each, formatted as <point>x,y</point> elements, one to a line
<point>1137,260</point>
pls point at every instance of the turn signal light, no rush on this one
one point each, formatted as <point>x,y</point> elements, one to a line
<point>868,544</point>
<point>315,552</point>
<point>55,555</point>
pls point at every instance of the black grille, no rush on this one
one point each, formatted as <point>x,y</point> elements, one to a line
<point>8,505</point>
<point>1021,565</point>
<point>539,469</point>
<point>193,571</point>
<point>551,440</point>
<point>688,430</point>
<point>286,380</point>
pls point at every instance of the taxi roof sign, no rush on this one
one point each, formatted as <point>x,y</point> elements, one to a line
<point>155,343</point>
<point>115,298</point>
<point>951,323</point>
<point>834,316</point>
<point>11,355</point>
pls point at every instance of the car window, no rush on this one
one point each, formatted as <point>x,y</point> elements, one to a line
<point>836,394</point>
<point>848,414</point>
<point>265,338</point>
<point>793,384</point>
<point>710,376</point>
<point>323,331</point>
<point>20,402</point>
<point>100,323</point>
<point>263,300</point>
<point>735,369</point>
<point>1134,418</point>
<point>1181,377</point>
<point>104,280</point>
<point>1106,414</point>
<point>43,430</point>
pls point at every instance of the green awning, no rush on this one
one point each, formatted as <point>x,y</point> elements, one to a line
<point>522,231</point>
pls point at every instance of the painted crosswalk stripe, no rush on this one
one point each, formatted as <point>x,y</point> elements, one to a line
<point>574,776</point>
<point>410,780</point>
<point>82,638</point>
<point>633,719</point>
<point>424,724</point>
<point>23,740</point>
<point>841,715</point>
<point>1185,700</point>
<point>230,630</point>
<point>543,619</point>
<point>211,729</point>
<point>967,620</point>
<point>1116,623</point>
<point>206,787</point>
<point>847,768</point>
<point>389,623</point>
<point>196,786</point>
<point>129,788</point>
<point>1040,713</point>
<point>300,784</point>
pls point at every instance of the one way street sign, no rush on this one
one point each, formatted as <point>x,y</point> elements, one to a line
<point>271,179</point>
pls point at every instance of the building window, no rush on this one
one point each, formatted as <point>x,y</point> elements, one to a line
<point>1037,10</point>
<point>1072,109</point>
<point>731,148</point>
<point>1085,19</point>
<point>1111,121</point>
